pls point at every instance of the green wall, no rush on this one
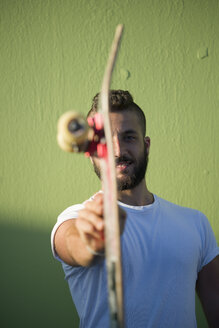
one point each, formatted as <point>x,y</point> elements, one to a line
<point>53,54</point>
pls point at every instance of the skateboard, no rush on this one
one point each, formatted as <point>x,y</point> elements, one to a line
<point>75,134</point>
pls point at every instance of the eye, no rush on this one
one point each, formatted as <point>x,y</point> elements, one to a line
<point>129,137</point>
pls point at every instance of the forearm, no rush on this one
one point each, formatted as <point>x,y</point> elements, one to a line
<point>77,249</point>
<point>211,309</point>
<point>79,241</point>
<point>70,247</point>
<point>73,248</point>
<point>207,288</point>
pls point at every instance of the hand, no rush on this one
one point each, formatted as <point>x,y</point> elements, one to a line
<point>90,223</point>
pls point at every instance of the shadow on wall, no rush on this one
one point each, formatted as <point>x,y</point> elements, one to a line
<point>33,290</point>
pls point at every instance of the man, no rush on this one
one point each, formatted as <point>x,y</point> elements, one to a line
<point>168,251</point>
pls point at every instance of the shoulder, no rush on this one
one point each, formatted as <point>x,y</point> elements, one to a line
<point>71,212</point>
<point>186,216</point>
<point>175,209</point>
<point>189,217</point>
<point>194,224</point>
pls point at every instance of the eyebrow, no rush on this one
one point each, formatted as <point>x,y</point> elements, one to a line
<point>130,132</point>
<point>126,132</point>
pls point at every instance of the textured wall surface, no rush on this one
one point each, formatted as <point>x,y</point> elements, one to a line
<point>53,54</point>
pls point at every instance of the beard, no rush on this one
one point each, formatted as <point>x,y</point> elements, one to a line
<point>137,173</point>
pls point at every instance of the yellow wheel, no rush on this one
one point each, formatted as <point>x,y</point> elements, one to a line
<point>72,131</point>
<point>63,144</point>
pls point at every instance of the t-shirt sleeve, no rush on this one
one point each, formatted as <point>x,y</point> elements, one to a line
<point>68,214</point>
<point>210,248</point>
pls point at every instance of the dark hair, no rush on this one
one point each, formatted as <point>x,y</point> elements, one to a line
<point>120,100</point>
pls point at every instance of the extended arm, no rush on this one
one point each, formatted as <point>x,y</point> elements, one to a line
<point>208,291</point>
<point>76,239</point>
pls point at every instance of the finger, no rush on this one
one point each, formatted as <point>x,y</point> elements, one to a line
<point>93,218</point>
<point>95,207</point>
<point>96,204</point>
<point>87,230</point>
<point>98,196</point>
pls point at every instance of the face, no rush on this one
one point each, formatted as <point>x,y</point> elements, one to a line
<point>131,150</point>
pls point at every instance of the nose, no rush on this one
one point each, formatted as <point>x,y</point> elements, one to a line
<point>116,146</point>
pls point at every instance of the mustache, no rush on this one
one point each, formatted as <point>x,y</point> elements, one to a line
<point>123,159</point>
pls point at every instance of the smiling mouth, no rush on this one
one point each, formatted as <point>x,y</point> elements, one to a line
<point>122,165</point>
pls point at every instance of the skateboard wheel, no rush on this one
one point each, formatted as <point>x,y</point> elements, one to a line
<point>63,144</point>
<point>72,130</point>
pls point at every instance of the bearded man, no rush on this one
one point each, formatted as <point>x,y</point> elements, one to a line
<point>168,252</point>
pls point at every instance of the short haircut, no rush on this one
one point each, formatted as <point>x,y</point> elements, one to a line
<point>120,100</point>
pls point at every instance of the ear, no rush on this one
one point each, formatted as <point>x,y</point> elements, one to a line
<point>147,141</point>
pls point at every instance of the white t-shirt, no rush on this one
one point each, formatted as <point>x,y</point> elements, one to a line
<point>164,246</point>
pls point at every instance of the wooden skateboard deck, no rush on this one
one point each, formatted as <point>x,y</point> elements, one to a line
<point>112,234</point>
<point>75,135</point>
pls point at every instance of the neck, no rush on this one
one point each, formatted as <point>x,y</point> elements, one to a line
<point>138,196</point>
